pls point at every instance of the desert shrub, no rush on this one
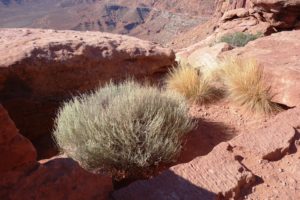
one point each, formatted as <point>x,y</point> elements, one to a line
<point>239,39</point>
<point>127,128</point>
<point>188,81</point>
<point>245,85</point>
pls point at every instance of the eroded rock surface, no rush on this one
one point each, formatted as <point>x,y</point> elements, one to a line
<point>239,169</point>
<point>17,154</point>
<point>41,68</point>
<point>251,16</point>
<point>203,178</point>
<point>16,151</point>
<point>61,178</point>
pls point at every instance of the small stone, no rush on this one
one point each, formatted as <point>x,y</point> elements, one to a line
<point>284,183</point>
<point>281,170</point>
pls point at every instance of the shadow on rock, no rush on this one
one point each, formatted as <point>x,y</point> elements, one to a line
<point>204,138</point>
<point>167,186</point>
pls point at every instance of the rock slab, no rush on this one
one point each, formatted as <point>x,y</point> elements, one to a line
<point>203,178</point>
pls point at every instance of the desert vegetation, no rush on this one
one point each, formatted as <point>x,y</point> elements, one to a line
<point>126,129</point>
<point>191,83</point>
<point>239,39</point>
<point>242,80</point>
<point>246,85</point>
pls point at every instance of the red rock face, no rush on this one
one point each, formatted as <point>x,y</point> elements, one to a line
<point>17,154</point>
<point>44,68</point>
<point>16,151</point>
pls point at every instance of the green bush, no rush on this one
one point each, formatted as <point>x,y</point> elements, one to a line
<point>239,39</point>
<point>125,128</point>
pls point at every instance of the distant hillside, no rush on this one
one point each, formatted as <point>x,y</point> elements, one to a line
<point>157,20</point>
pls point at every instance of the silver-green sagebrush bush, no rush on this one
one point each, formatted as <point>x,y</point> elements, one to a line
<point>240,39</point>
<point>126,127</point>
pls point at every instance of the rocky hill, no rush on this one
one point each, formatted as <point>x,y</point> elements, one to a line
<point>252,16</point>
<point>153,20</point>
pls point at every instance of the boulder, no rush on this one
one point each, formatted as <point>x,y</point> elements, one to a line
<point>279,55</point>
<point>207,55</point>
<point>39,69</point>
<point>199,54</point>
<point>240,12</point>
<point>280,14</point>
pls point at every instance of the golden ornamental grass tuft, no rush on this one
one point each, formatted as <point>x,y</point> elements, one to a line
<point>245,85</point>
<point>187,81</point>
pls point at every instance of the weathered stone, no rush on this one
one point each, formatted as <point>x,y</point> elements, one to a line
<point>240,12</point>
<point>16,151</point>
<point>270,143</point>
<point>251,16</point>
<point>201,55</point>
<point>217,175</point>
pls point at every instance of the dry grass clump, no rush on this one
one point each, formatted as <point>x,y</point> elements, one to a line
<point>127,127</point>
<point>244,82</point>
<point>187,81</point>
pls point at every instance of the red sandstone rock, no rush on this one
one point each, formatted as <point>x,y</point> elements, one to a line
<point>61,178</point>
<point>199,54</point>
<point>16,152</point>
<point>270,143</point>
<point>217,175</point>
<point>279,177</point>
<point>41,68</point>
<point>251,16</point>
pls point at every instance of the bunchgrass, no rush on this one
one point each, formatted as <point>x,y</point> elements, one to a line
<point>188,81</point>
<point>246,86</point>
